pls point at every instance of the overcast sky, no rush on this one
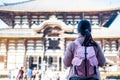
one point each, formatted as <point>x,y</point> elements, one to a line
<point>111,2</point>
<point>100,3</point>
<point>11,1</point>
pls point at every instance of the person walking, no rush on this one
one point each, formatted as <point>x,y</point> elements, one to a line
<point>16,71</point>
<point>29,74</point>
<point>20,74</point>
<point>34,71</point>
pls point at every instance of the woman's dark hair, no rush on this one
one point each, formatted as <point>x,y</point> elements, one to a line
<point>84,28</point>
<point>84,25</point>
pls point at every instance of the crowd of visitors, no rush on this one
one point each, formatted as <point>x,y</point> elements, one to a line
<point>32,74</point>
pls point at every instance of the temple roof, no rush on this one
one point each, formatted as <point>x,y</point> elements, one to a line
<point>96,33</point>
<point>55,24</point>
<point>62,5</point>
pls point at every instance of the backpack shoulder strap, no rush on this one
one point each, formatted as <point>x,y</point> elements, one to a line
<point>85,60</point>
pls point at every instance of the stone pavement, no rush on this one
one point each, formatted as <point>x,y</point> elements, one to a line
<point>10,79</point>
<point>4,79</point>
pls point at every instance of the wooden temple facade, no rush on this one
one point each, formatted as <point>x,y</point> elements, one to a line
<point>38,38</point>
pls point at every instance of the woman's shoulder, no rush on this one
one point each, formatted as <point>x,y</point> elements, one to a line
<point>98,45</point>
<point>72,44</point>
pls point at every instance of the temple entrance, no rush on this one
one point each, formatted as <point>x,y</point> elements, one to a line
<point>48,62</point>
<point>53,63</point>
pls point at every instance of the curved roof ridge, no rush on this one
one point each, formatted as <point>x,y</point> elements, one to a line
<point>14,3</point>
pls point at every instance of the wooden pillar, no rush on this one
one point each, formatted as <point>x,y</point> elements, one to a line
<point>6,61</point>
<point>100,19</point>
<point>37,62</point>
<point>118,54</point>
<point>58,63</point>
<point>83,15</point>
<point>29,19</point>
<point>12,20</point>
<point>63,49</point>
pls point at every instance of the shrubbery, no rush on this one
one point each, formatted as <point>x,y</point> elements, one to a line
<point>115,76</point>
<point>3,76</point>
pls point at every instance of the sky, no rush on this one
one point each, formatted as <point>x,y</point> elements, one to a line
<point>15,1</point>
<point>109,2</point>
<point>11,1</point>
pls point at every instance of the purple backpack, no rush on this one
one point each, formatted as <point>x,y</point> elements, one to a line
<point>85,61</point>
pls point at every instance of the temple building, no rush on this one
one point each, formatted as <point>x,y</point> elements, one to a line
<point>34,33</point>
